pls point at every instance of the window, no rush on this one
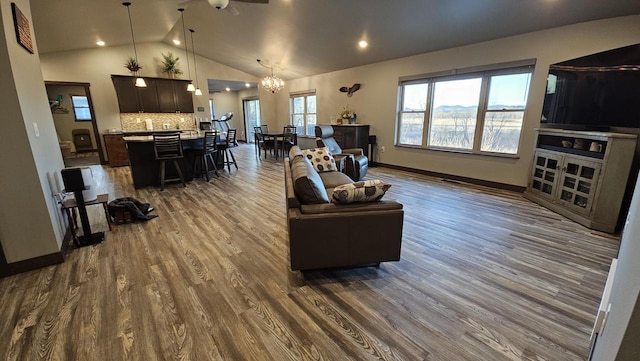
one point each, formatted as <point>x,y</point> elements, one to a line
<point>81,108</point>
<point>211,109</point>
<point>251,116</point>
<point>303,113</point>
<point>477,112</point>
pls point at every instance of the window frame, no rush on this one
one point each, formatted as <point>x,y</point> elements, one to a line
<point>305,114</point>
<point>523,67</point>
<point>88,107</point>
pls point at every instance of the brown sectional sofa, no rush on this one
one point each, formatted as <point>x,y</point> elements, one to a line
<point>324,234</point>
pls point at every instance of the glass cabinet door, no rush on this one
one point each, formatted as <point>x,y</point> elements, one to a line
<point>578,184</point>
<point>546,172</point>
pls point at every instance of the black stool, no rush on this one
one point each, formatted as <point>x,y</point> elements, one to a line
<point>228,142</point>
<point>205,154</point>
<point>167,146</point>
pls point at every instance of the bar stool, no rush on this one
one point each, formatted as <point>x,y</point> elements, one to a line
<point>167,146</point>
<point>205,154</point>
<point>225,146</point>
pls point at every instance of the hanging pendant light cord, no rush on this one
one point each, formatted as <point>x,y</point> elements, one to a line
<point>135,51</point>
<point>195,66</point>
<point>184,34</point>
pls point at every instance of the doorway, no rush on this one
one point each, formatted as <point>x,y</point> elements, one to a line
<point>75,123</point>
<point>251,107</point>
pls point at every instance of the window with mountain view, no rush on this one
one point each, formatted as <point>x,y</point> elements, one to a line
<point>477,112</point>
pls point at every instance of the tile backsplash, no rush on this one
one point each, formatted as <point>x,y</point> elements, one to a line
<point>157,121</point>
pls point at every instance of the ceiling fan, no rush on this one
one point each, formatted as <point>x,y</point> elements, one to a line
<point>224,4</point>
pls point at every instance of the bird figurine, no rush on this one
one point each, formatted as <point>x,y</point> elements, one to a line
<point>354,88</point>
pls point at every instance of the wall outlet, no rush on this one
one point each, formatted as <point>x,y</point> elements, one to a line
<point>137,120</point>
<point>35,129</point>
<point>382,149</point>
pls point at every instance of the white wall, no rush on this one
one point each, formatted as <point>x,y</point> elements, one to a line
<point>30,220</point>
<point>624,292</point>
<point>95,66</point>
<point>231,101</point>
<point>224,102</point>
<point>375,102</point>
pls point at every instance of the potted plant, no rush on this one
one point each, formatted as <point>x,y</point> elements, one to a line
<point>132,65</point>
<point>169,65</point>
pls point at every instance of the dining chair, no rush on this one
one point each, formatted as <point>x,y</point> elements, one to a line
<point>206,154</point>
<point>289,138</point>
<point>264,142</point>
<point>168,147</point>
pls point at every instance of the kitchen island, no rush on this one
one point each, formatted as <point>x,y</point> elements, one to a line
<point>145,170</point>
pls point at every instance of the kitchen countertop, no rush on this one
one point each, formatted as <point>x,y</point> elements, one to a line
<point>185,135</point>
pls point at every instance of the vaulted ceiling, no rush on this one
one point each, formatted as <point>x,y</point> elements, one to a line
<point>308,37</point>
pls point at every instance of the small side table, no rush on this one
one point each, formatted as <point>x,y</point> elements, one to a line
<point>69,206</point>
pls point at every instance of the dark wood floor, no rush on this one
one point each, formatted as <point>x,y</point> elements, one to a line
<point>484,275</point>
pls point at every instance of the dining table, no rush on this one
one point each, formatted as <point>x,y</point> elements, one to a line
<point>278,140</point>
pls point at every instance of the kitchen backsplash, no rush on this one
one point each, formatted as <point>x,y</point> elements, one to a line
<point>156,121</point>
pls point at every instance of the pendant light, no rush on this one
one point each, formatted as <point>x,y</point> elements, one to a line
<point>140,83</point>
<point>195,66</point>
<point>190,87</point>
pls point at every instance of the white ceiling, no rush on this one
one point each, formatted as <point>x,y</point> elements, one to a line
<point>308,37</point>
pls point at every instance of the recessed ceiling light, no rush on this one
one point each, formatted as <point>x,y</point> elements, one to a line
<point>363,44</point>
<point>227,89</point>
<point>176,41</point>
<point>247,85</point>
<point>100,43</point>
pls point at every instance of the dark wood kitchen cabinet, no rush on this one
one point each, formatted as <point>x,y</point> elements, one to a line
<point>352,136</point>
<point>160,95</point>
<point>127,93</point>
<point>173,96</point>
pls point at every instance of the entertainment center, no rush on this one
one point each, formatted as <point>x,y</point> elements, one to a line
<point>581,175</point>
<point>587,146</point>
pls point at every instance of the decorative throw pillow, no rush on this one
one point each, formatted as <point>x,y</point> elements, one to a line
<point>364,191</point>
<point>321,159</point>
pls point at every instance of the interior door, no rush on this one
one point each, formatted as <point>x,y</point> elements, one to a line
<point>251,112</point>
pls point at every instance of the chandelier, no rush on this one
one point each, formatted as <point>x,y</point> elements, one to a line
<point>271,83</point>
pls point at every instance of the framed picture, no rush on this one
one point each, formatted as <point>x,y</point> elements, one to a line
<point>23,30</point>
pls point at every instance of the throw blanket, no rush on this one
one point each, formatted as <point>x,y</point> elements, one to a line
<point>137,209</point>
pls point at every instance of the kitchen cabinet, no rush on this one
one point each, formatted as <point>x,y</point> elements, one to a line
<point>116,150</point>
<point>352,136</point>
<point>160,96</point>
<point>581,175</point>
<point>127,94</point>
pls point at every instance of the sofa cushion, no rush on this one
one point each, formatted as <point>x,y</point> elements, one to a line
<point>294,152</point>
<point>321,159</point>
<point>366,191</point>
<point>307,183</point>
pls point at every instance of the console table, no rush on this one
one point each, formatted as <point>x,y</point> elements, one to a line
<point>352,136</point>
